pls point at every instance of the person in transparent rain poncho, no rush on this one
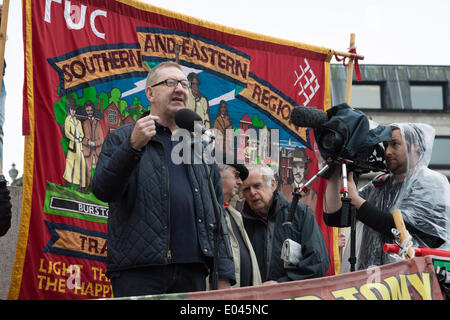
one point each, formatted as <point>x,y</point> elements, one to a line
<point>421,194</point>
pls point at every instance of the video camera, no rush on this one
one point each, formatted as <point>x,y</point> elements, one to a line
<point>344,133</point>
<point>343,138</point>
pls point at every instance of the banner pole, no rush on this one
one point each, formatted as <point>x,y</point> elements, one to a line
<point>348,95</point>
<point>400,225</point>
<point>351,55</point>
<point>348,89</point>
<point>4,24</point>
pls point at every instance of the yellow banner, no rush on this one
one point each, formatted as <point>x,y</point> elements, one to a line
<point>200,52</point>
<point>85,66</point>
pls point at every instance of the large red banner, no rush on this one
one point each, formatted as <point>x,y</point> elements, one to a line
<point>85,68</point>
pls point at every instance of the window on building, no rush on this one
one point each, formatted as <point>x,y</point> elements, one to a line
<point>366,96</point>
<point>427,97</point>
<point>112,116</point>
<point>440,158</point>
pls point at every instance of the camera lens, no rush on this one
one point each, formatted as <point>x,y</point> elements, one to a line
<point>331,141</point>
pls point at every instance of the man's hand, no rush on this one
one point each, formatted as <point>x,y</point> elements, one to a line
<point>332,200</point>
<point>144,130</point>
<point>341,240</point>
<point>357,201</point>
<point>223,284</point>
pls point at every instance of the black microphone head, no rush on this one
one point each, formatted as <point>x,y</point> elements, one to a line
<point>308,117</point>
<point>185,119</point>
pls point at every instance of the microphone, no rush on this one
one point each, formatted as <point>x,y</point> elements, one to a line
<point>189,120</point>
<point>308,117</point>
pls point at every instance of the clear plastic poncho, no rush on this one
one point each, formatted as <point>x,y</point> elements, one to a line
<point>423,197</point>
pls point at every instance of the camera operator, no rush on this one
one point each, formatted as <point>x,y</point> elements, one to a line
<point>422,195</point>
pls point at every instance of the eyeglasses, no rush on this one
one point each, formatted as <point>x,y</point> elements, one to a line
<point>173,83</point>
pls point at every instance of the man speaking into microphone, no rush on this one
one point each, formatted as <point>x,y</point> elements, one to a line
<point>159,234</point>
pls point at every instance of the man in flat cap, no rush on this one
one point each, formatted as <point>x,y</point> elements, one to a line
<point>245,262</point>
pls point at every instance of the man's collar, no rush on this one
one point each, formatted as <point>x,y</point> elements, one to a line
<point>160,128</point>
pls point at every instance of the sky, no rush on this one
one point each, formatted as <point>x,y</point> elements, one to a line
<point>407,32</point>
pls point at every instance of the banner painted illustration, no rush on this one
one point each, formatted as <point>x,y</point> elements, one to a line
<point>86,63</point>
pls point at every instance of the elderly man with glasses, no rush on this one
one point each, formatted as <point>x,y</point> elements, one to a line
<point>160,213</point>
<point>270,227</point>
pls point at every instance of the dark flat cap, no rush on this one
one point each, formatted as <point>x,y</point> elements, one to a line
<point>243,171</point>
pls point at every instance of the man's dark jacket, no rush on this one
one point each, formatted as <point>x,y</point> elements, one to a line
<point>136,186</point>
<point>303,230</point>
<point>5,208</point>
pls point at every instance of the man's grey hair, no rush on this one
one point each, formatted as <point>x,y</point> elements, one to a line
<point>153,73</point>
<point>222,167</point>
<point>266,172</point>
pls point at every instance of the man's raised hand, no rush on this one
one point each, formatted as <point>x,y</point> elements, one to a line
<point>144,130</point>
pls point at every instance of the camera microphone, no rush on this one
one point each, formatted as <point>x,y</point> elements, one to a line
<point>308,117</point>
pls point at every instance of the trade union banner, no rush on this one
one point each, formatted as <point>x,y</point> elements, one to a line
<point>85,68</point>
<point>411,279</point>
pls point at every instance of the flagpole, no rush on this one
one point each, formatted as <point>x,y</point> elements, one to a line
<point>351,55</point>
<point>3,27</point>
<point>348,90</point>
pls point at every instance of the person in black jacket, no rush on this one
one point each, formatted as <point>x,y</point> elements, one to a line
<point>5,206</point>
<point>160,213</point>
<point>265,213</point>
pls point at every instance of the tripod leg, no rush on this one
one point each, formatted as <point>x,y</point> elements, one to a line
<point>348,209</point>
<point>352,258</point>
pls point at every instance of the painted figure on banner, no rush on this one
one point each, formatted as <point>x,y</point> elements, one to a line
<point>75,171</point>
<point>92,141</point>
<point>222,123</point>
<point>293,173</point>
<point>197,101</point>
